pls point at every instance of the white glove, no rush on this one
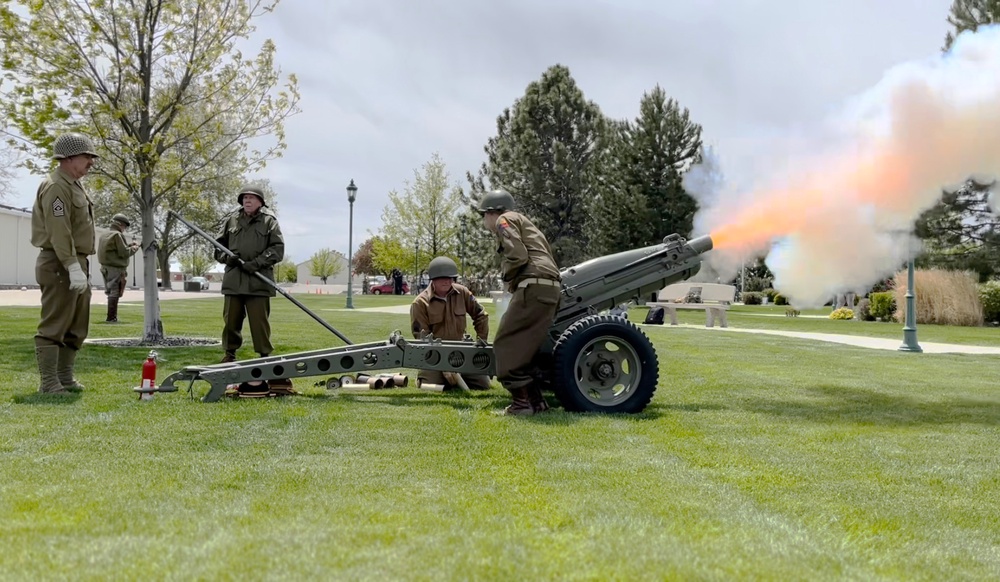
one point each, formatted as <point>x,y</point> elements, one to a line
<point>77,279</point>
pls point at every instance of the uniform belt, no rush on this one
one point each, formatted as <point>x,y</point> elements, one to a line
<point>548,282</point>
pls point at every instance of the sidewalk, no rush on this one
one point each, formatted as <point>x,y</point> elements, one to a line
<point>33,297</point>
<point>851,340</point>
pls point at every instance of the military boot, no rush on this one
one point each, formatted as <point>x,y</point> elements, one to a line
<point>112,310</point>
<point>538,403</point>
<point>64,371</point>
<point>520,405</point>
<point>228,358</point>
<point>48,362</point>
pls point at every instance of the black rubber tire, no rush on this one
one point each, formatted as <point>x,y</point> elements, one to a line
<point>377,292</point>
<point>580,336</point>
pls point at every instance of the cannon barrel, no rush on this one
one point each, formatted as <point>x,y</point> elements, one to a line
<point>604,282</point>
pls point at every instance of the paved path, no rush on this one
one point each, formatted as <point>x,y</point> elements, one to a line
<point>851,340</point>
<point>33,297</point>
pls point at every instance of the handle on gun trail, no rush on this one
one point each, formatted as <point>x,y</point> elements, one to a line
<point>271,283</point>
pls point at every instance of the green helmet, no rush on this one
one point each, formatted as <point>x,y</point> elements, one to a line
<point>442,267</point>
<point>252,189</point>
<point>121,219</point>
<point>72,144</point>
<point>498,200</point>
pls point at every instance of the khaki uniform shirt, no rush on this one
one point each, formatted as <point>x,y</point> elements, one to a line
<point>525,250</point>
<point>445,316</point>
<point>62,219</point>
<point>113,251</point>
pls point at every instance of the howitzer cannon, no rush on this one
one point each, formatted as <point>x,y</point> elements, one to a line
<point>591,361</point>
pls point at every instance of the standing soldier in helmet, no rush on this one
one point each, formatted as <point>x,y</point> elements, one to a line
<point>441,310</point>
<point>530,274</point>
<point>113,253</point>
<point>253,234</point>
<point>62,226</point>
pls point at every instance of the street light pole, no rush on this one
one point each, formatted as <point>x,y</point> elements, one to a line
<point>910,327</point>
<point>133,265</point>
<point>352,192</point>
<point>416,275</point>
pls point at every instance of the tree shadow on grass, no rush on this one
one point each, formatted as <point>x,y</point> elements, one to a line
<point>837,404</point>
<point>44,399</point>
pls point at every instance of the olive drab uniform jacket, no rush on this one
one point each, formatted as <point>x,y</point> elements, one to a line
<point>445,317</point>
<point>63,218</point>
<point>113,251</point>
<point>255,239</point>
<point>524,250</point>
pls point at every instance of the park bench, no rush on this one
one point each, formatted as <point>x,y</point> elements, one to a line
<point>715,300</point>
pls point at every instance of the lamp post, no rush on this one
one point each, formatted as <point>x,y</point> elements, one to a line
<point>352,192</point>
<point>416,274</point>
<point>133,265</point>
<point>910,327</point>
<point>461,247</point>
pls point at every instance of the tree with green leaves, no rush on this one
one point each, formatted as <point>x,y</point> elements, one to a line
<point>196,259</point>
<point>546,153</point>
<point>961,231</point>
<point>325,263</point>
<point>286,271</point>
<point>426,212</point>
<point>160,86</point>
<point>970,15</point>
<point>389,254</point>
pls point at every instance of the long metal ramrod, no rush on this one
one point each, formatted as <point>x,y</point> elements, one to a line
<point>273,285</point>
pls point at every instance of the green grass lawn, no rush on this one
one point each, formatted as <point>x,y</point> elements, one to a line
<point>760,457</point>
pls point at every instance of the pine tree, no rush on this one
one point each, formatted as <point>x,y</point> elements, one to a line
<point>970,15</point>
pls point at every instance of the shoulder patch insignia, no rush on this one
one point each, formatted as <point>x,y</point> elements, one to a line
<point>503,227</point>
<point>58,207</point>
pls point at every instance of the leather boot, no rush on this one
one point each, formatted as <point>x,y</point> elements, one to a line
<point>48,362</point>
<point>64,371</point>
<point>520,405</point>
<point>228,358</point>
<point>112,310</point>
<point>538,403</point>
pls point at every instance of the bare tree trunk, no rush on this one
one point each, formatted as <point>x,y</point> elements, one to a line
<point>153,325</point>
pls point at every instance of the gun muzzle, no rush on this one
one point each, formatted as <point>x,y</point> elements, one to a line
<point>702,244</point>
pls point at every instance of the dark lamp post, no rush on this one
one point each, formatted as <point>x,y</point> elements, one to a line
<point>352,193</point>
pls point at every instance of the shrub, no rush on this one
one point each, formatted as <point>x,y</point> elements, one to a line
<point>752,298</point>
<point>942,297</point>
<point>989,295</point>
<point>842,313</point>
<point>882,305</point>
<point>863,312</point>
<point>883,285</point>
<point>780,299</point>
<point>770,294</point>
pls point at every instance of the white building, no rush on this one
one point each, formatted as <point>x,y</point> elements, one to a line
<point>17,260</point>
<point>305,276</point>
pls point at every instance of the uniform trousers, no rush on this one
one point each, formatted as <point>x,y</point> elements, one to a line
<point>255,308</point>
<point>522,331</point>
<point>65,317</point>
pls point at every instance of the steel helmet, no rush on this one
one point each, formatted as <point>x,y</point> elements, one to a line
<point>121,219</point>
<point>72,144</point>
<point>442,267</point>
<point>252,189</point>
<point>498,200</point>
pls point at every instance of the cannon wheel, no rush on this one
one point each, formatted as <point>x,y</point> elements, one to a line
<point>604,364</point>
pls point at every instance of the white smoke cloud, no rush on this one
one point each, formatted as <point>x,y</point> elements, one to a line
<point>832,207</point>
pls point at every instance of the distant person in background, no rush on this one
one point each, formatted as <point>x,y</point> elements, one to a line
<point>113,253</point>
<point>397,282</point>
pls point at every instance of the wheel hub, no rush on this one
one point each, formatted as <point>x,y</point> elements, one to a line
<point>605,370</point>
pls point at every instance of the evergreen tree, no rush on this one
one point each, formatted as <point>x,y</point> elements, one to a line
<point>546,154</point>
<point>970,15</point>
<point>660,146</point>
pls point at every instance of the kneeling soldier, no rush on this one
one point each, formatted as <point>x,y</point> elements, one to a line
<point>441,310</point>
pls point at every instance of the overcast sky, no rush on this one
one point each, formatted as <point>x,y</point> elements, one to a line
<point>385,84</point>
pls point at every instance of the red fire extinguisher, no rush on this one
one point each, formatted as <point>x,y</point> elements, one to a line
<point>148,377</point>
